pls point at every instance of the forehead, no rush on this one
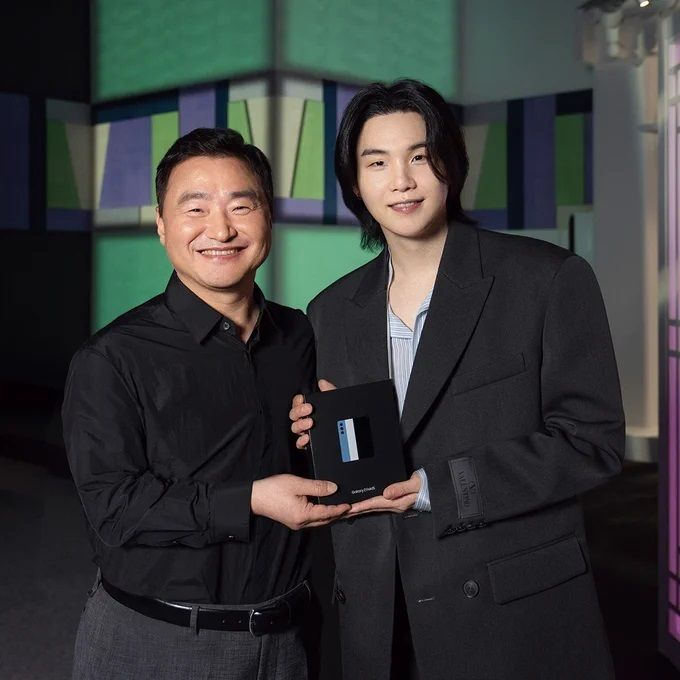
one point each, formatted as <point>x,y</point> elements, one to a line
<point>392,131</point>
<point>214,173</point>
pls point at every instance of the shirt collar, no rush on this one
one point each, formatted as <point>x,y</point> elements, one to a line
<point>198,316</point>
<point>425,305</point>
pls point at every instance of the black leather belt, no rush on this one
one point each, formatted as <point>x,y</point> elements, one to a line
<point>271,618</point>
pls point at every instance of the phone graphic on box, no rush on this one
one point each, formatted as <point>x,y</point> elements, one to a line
<point>355,439</point>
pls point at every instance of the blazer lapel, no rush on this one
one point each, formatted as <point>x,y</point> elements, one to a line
<point>366,328</point>
<point>459,295</point>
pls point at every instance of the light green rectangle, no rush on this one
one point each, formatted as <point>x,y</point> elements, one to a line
<point>492,189</point>
<point>164,133</point>
<point>308,178</point>
<point>237,119</point>
<point>61,184</point>
<point>569,159</point>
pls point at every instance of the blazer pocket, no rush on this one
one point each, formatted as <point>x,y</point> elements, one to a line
<point>535,570</point>
<point>488,373</point>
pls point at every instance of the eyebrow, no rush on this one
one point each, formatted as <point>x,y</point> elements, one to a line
<point>203,195</point>
<point>381,152</point>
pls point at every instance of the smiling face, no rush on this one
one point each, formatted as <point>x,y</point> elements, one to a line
<point>395,179</point>
<point>214,225</point>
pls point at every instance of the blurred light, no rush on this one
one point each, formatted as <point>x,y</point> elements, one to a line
<point>643,3</point>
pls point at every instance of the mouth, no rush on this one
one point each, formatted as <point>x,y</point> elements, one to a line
<point>220,252</point>
<point>406,207</point>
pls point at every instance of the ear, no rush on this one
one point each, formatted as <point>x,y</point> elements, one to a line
<point>355,189</point>
<point>160,226</point>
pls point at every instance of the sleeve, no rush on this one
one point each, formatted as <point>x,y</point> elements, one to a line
<point>582,440</point>
<point>124,501</point>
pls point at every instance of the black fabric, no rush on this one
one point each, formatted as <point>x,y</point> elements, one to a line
<point>515,381</point>
<point>168,419</point>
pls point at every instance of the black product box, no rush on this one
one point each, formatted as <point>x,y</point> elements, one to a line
<point>356,440</point>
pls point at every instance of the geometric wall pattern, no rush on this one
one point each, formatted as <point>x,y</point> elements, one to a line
<point>295,127</point>
<point>15,161</point>
<point>530,160</point>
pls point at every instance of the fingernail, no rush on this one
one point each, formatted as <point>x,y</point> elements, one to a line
<point>332,487</point>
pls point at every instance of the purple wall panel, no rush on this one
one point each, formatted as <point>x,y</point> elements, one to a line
<point>490,219</point>
<point>539,163</point>
<point>298,209</point>
<point>14,161</point>
<point>65,219</point>
<point>127,173</point>
<point>344,94</point>
<point>196,108</point>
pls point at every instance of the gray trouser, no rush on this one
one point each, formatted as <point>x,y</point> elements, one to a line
<point>117,643</point>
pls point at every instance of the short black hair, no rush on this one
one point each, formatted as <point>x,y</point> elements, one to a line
<point>445,146</point>
<point>215,142</point>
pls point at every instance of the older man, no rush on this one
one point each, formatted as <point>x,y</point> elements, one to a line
<point>177,437</point>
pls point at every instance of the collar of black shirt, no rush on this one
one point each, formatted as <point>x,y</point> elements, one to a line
<point>200,318</point>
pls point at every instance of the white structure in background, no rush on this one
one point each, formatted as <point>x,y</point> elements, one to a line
<point>619,39</point>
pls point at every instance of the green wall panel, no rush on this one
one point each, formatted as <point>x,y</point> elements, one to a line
<point>237,119</point>
<point>308,178</point>
<point>492,189</point>
<point>61,184</point>
<point>374,40</point>
<point>146,45</point>
<point>309,258</point>
<point>569,159</point>
<point>164,132</point>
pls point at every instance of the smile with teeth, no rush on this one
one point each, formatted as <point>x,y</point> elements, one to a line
<point>406,206</point>
<point>216,252</point>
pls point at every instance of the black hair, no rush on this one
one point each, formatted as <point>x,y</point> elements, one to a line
<point>215,142</point>
<point>445,146</point>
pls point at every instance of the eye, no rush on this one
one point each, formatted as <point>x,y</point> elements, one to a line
<point>242,209</point>
<point>419,158</point>
<point>376,164</point>
<point>195,211</point>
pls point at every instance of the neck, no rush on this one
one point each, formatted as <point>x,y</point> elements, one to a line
<point>417,257</point>
<point>237,304</point>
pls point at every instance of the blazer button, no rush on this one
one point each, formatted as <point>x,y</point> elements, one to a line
<point>471,589</point>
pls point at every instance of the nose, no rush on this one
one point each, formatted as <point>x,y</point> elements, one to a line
<point>402,178</point>
<point>221,228</point>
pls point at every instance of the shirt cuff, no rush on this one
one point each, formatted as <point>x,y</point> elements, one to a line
<point>423,500</point>
<point>230,512</point>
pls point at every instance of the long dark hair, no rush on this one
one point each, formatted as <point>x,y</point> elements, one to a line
<point>445,146</point>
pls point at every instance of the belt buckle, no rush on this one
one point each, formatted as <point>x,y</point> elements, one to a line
<point>257,624</point>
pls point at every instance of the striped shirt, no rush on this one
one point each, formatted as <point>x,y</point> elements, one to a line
<point>403,344</point>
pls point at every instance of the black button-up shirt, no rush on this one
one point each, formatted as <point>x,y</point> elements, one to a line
<point>168,419</point>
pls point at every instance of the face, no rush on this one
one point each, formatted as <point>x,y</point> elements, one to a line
<point>214,225</point>
<point>395,179</point>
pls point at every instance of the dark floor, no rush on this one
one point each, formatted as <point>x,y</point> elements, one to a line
<point>45,569</point>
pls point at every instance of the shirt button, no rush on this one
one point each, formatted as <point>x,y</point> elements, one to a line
<point>471,589</point>
<point>226,326</point>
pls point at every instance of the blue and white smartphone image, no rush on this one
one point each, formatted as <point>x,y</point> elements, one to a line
<point>355,439</point>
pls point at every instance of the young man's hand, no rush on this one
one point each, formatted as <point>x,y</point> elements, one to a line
<point>284,498</point>
<point>300,414</point>
<point>397,497</point>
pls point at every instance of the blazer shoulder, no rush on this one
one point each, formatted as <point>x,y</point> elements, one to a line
<point>501,252</point>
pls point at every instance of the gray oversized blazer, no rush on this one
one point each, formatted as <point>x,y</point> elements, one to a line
<point>514,409</point>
